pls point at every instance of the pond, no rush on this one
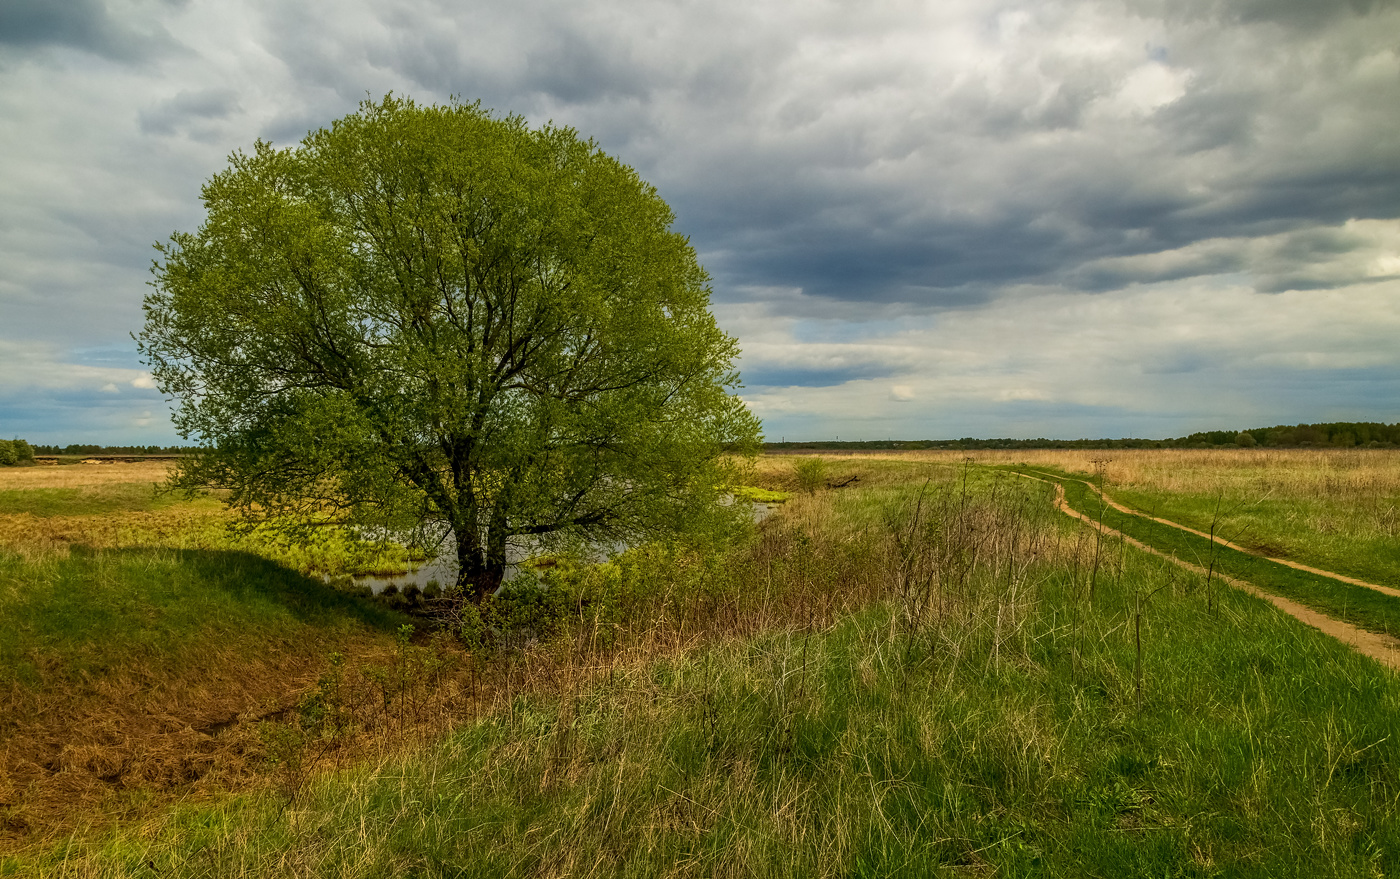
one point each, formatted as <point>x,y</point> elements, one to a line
<point>442,570</point>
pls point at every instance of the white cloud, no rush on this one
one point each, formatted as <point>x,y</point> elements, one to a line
<point>897,196</point>
<point>42,366</point>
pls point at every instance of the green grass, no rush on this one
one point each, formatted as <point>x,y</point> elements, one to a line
<point>95,501</point>
<point>1357,605</point>
<point>100,612</point>
<point>1018,730</point>
<point>1258,749</point>
<point>1324,532</point>
<point>761,495</point>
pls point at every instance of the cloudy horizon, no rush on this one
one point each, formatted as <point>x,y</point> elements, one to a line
<point>922,221</point>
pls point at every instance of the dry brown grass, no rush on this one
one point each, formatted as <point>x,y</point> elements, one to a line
<point>36,537</point>
<point>117,746</point>
<point>83,476</point>
<point>1302,473</point>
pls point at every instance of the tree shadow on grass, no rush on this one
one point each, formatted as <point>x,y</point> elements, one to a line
<point>251,579</point>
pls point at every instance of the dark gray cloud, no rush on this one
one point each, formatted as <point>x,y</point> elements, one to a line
<point>169,115</point>
<point>80,23</point>
<point>1294,14</point>
<point>882,195</point>
<point>86,25</point>
<point>811,377</point>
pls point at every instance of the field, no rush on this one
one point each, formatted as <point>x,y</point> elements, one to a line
<point>925,671</point>
<point>1336,509</point>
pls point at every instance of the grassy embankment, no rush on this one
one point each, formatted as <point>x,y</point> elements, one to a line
<point>896,678</point>
<point>137,629</point>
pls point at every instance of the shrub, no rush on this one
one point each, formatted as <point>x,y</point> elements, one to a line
<point>24,452</point>
<point>8,455</point>
<point>811,474</point>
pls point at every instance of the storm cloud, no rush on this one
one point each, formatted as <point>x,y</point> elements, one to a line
<point>1069,218</point>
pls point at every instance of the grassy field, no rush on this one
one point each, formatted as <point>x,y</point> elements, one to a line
<point>46,510</point>
<point>1351,603</point>
<point>925,672</point>
<point>1334,509</point>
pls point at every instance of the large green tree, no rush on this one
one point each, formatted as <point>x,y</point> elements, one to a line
<point>430,315</point>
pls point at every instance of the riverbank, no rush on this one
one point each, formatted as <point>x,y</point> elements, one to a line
<point>928,670</point>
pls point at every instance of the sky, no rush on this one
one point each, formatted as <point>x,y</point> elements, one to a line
<point>922,220</point>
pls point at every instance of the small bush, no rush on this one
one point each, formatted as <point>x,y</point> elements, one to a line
<point>8,456</point>
<point>811,474</point>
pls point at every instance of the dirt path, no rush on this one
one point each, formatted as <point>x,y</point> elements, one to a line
<point>1387,590</point>
<point>1384,650</point>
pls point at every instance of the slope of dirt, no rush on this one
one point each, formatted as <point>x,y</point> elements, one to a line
<point>113,744</point>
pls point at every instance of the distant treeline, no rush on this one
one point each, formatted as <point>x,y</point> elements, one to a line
<point>1341,434</point>
<point>111,450</point>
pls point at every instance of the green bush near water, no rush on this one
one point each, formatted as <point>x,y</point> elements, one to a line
<point>810,473</point>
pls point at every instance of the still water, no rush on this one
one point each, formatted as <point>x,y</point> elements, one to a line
<point>442,570</point>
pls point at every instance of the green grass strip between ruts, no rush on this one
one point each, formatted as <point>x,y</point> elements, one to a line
<point>1357,605</point>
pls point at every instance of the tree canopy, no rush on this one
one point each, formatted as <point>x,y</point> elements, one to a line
<point>432,315</point>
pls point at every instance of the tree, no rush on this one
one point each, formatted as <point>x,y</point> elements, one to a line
<point>431,316</point>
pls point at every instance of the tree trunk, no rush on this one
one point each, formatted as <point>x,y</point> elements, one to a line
<point>478,577</point>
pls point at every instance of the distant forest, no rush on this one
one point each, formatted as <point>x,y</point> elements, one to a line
<point>77,450</point>
<point>1340,434</point>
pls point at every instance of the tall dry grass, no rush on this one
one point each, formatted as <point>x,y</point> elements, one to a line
<point>1340,473</point>
<point>956,702</point>
<point>83,476</point>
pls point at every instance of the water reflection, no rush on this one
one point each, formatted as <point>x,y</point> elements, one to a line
<point>441,571</point>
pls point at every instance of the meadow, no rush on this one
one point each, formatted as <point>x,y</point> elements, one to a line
<point>1336,509</point>
<point>926,671</point>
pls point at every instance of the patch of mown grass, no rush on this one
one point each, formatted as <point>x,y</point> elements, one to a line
<point>1357,605</point>
<point>881,745</point>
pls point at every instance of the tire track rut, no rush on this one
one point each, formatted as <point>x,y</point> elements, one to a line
<point>1298,566</point>
<point>1381,648</point>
